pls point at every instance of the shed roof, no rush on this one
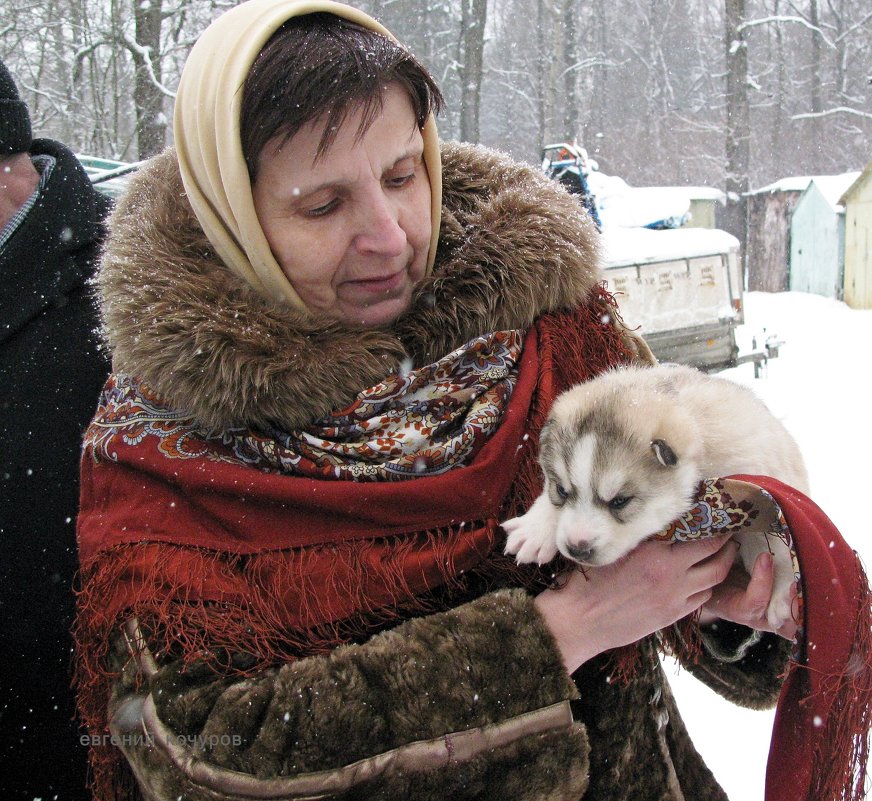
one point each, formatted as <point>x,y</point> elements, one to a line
<point>861,179</point>
<point>796,183</point>
<point>832,187</point>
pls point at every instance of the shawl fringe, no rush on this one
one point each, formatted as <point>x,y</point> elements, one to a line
<point>841,758</point>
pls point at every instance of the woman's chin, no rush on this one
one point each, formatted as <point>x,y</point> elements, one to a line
<point>377,313</point>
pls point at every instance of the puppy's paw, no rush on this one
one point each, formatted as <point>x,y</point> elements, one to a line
<point>528,542</point>
<point>532,536</point>
<point>780,609</point>
<point>779,612</point>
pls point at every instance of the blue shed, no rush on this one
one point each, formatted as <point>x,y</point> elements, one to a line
<point>817,237</point>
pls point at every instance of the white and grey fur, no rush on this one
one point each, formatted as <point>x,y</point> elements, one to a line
<point>623,455</point>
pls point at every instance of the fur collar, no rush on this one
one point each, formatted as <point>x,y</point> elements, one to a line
<point>512,247</point>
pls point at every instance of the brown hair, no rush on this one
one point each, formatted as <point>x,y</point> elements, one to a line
<point>320,66</point>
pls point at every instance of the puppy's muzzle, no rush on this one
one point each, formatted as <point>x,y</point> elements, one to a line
<point>582,551</point>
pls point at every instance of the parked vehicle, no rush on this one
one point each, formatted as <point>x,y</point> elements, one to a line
<point>108,175</point>
<point>570,165</point>
<point>680,287</point>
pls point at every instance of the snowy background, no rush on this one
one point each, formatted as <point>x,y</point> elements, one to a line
<point>819,386</point>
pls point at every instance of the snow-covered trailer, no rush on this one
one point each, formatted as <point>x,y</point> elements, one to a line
<point>682,288</point>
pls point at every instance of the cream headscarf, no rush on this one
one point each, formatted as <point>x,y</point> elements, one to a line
<point>209,148</point>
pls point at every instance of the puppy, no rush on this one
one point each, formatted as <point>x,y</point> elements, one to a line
<point>623,456</point>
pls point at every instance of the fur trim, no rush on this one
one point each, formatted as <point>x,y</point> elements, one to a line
<point>513,246</point>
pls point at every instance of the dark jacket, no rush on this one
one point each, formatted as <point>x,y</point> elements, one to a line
<point>51,372</point>
<point>513,248</point>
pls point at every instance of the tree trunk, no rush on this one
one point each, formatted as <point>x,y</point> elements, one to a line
<point>817,106</point>
<point>570,74</point>
<point>541,66</point>
<point>777,58</point>
<point>815,20</point>
<point>473,20</point>
<point>148,98</point>
<point>596,94</point>
<point>738,122</point>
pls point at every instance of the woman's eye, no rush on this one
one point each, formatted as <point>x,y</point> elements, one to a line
<point>322,210</point>
<point>619,501</point>
<point>401,180</point>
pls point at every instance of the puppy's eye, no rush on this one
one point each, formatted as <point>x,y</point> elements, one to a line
<point>619,502</point>
<point>562,492</point>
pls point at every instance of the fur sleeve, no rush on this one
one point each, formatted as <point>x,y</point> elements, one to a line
<point>468,703</point>
<point>744,666</point>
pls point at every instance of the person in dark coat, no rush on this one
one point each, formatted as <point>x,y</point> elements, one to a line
<point>51,372</point>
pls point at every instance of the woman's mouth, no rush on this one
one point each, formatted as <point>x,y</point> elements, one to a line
<point>380,284</point>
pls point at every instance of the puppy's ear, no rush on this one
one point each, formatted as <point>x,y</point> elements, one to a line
<point>547,444</point>
<point>665,455</point>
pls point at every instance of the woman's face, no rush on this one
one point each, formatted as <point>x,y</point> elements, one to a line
<point>351,229</point>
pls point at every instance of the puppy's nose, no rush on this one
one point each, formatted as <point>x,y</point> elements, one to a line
<point>580,551</point>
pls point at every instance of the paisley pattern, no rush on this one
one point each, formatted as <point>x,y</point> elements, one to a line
<point>720,508</point>
<point>130,412</point>
<point>714,512</point>
<point>422,421</point>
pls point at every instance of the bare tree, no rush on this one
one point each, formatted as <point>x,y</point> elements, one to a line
<point>738,133</point>
<point>431,29</point>
<point>734,94</point>
<point>96,73</point>
<point>148,92</point>
<point>472,29</point>
<point>543,93</point>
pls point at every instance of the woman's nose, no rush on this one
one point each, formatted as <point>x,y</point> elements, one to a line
<point>380,230</point>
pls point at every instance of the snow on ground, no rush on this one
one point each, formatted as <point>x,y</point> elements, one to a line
<point>819,386</point>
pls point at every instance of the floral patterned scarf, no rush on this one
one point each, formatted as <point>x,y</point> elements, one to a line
<point>416,422</point>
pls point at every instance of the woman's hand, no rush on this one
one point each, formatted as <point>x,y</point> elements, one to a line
<point>745,601</point>
<point>650,588</point>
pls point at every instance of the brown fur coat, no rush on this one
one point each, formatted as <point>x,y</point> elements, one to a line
<point>513,247</point>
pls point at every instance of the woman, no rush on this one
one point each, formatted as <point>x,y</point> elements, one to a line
<point>334,347</point>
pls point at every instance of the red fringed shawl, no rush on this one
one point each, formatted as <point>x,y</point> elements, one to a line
<point>216,556</point>
<point>820,740</point>
<point>171,520</point>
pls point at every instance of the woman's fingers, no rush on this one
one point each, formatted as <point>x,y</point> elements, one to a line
<point>711,563</point>
<point>759,589</point>
<point>705,548</point>
<point>699,600</point>
<point>648,589</point>
<point>745,600</point>
<point>790,628</point>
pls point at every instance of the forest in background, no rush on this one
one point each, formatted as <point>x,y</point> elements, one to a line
<point>726,93</point>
